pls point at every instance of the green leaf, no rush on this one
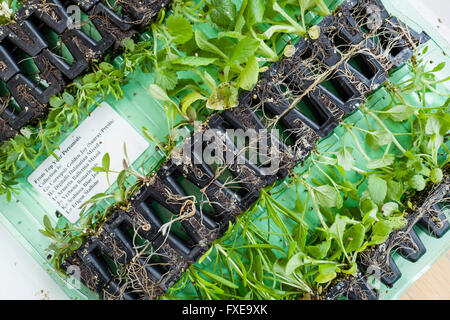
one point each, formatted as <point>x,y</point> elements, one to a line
<point>378,138</point>
<point>89,78</point>
<point>325,278</point>
<point>417,182</point>
<point>106,67</point>
<point>294,262</point>
<point>254,12</point>
<point>258,268</point>
<point>319,251</point>
<point>381,231</point>
<point>128,44</point>
<point>345,158</point>
<point>327,268</point>
<point>225,96</point>
<point>389,208</point>
<point>439,67</point>
<point>158,93</point>
<point>192,61</point>
<point>189,99</point>
<point>47,224</point>
<point>436,175</point>
<point>354,237</point>
<point>210,82</point>
<point>243,51</point>
<point>377,188</point>
<point>56,102</point>
<point>223,13</point>
<point>219,279</point>
<point>383,162</point>
<point>398,222</point>
<point>121,178</point>
<point>337,229</point>
<point>249,76</point>
<point>98,169</point>
<point>352,269</point>
<point>328,197</point>
<point>106,161</point>
<point>399,113</point>
<point>394,190</point>
<point>205,45</point>
<point>180,28</point>
<point>119,195</point>
<point>299,206</point>
<point>166,78</point>
<point>75,244</point>
<point>68,98</point>
<point>300,233</point>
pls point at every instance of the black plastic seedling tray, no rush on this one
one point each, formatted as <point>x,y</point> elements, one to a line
<point>28,36</point>
<point>201,228</point>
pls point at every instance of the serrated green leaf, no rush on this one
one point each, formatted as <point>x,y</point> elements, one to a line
<point>223,13</point>
<point>106,67</point>
<point>180,28</point>
<point>381,231</point>
<point>436,175</point>
<point>417,182</point>
<point>166,79</point>
<point>383,162</point>
<point>378,138</point>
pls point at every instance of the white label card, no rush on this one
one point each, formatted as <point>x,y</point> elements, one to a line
<point>70,182</point>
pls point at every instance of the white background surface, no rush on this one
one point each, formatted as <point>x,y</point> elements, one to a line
<point>23,278</point>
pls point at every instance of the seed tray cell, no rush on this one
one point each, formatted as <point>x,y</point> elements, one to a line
<point>435,222</point>
<point>52,14</point>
